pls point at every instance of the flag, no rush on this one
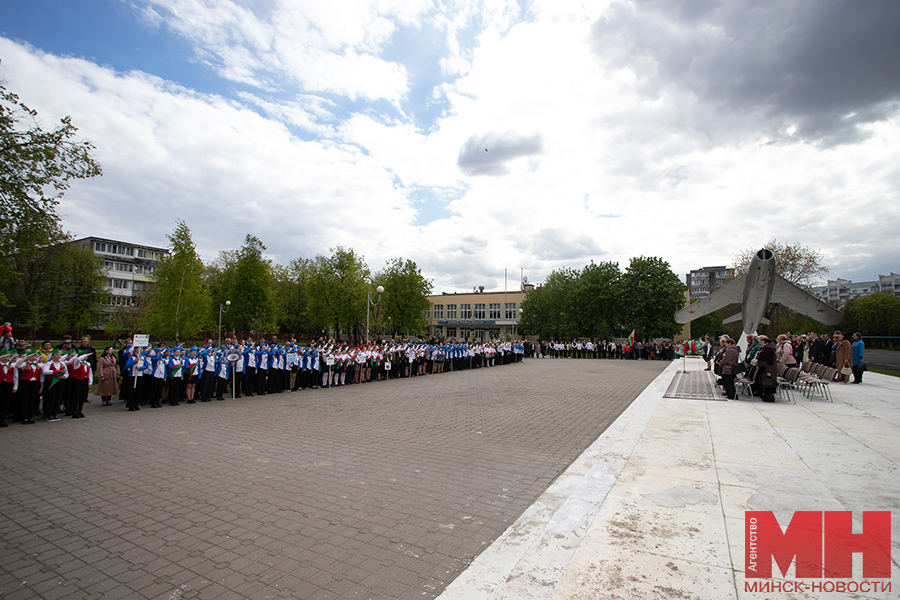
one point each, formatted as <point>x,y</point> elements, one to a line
<point>631,338</point>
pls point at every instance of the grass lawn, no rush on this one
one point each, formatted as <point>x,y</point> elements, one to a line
<point>885,372</point>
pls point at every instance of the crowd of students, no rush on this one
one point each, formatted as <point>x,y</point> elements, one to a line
<point>52,381</point>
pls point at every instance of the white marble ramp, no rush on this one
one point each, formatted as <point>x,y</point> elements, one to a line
<point>655,507</point>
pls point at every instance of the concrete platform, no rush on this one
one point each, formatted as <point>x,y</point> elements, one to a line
<point>655,507</point>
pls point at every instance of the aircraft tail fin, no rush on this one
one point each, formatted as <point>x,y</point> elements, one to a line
<point>765,321</point>
<point>734,318</point>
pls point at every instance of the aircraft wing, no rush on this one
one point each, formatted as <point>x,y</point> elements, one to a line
<point>803,302</point>
<point>732,293</point>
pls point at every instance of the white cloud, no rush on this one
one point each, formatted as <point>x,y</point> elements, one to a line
<point>635,156</point>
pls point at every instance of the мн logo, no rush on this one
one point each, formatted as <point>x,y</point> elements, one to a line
<point>823,544</point>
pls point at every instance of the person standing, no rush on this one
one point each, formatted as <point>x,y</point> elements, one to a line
<point>858,349</point>
<point>843,357</point>
<point>107,376</point>
<point>81,377</point>
<point>55,371</point>
<point>27,398</point>
<point>730,358</point>
<point>9,381</point>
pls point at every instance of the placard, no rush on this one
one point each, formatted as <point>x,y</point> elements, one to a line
<point>141,340</point>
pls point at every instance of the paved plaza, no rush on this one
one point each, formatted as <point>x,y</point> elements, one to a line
<point>380,490</point>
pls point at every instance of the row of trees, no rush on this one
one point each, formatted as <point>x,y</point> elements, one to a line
<point>602,302</point>
<point>325,293</point>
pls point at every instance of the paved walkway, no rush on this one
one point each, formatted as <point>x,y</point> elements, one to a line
<point>384,490</point>
<point>655,507</point>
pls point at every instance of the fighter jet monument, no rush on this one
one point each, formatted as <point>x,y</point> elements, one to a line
<point>754,291</point>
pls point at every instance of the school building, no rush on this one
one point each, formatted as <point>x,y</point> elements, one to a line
<point>476,316</point>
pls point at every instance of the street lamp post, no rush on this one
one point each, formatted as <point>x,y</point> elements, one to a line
<point>223,308</point>
<point>516,324</point>
<point>369,302</point>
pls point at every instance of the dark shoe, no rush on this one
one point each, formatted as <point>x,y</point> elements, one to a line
<point>28,422</point>
<point>3,424</point>
<point>191,402</point>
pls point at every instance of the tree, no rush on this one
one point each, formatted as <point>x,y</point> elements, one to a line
<point>801,265</point>
<point>337,290</point>
<point>651,294</point>
<point>550,311</point>
<point>877,314</point>
<point>36,168</point>
<point>405,297</point>
<point>598,298</point>
<point>59,286</point>
<point>179,304</point>
<point>290,289</point>
<point>251,296</point>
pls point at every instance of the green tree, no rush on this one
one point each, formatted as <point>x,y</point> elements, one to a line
<point>36,168</point>
<point>550,311</point>
<point>252,305</point>
<point>598,297</point>
<point>337,291</point>
<point>290,288</point>
<point>179,304</point>
<point>59,286</point>
<point>877,314</point>
<point>651,294</point>
<point>405,297</point>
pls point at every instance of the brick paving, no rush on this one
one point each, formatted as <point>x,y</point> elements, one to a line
<point>380,490</point>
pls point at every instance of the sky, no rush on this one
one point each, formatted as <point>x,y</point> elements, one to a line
<point>478,137</point>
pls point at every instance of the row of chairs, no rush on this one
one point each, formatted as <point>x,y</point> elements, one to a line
<point>811,378</point>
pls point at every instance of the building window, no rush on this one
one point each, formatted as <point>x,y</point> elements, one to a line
<point>479,311</point>
<point>510,310</point>
<point>451,331</point>
<point>465,311</point>
<point>451,314</point>
<point>124,267</point>
<point>143,270</point>
<point>495,311</point>
<point>148,254</point>
<point>438,311</point>
<point>118,284</point>
<point>113,249</point>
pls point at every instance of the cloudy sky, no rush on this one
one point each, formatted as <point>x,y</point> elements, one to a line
<point>474,136</point>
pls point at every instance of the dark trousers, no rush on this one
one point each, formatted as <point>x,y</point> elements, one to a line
<point>52,397</point>
<point>175,391</point>
<point>221,384</point>
<point>249,380</point>
<point>131,393</point>
<point>728,382</point>
<point>76,395</point>
<point>26,399</point>
<point>274,380</point>
<point>261,381</point>
<point>236,384</point>
<point>5,397</point>
<point>857,374</point>
<point>207,382</point>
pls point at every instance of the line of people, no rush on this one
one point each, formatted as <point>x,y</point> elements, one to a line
<point>605,349</point>
<point>151,376</point>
